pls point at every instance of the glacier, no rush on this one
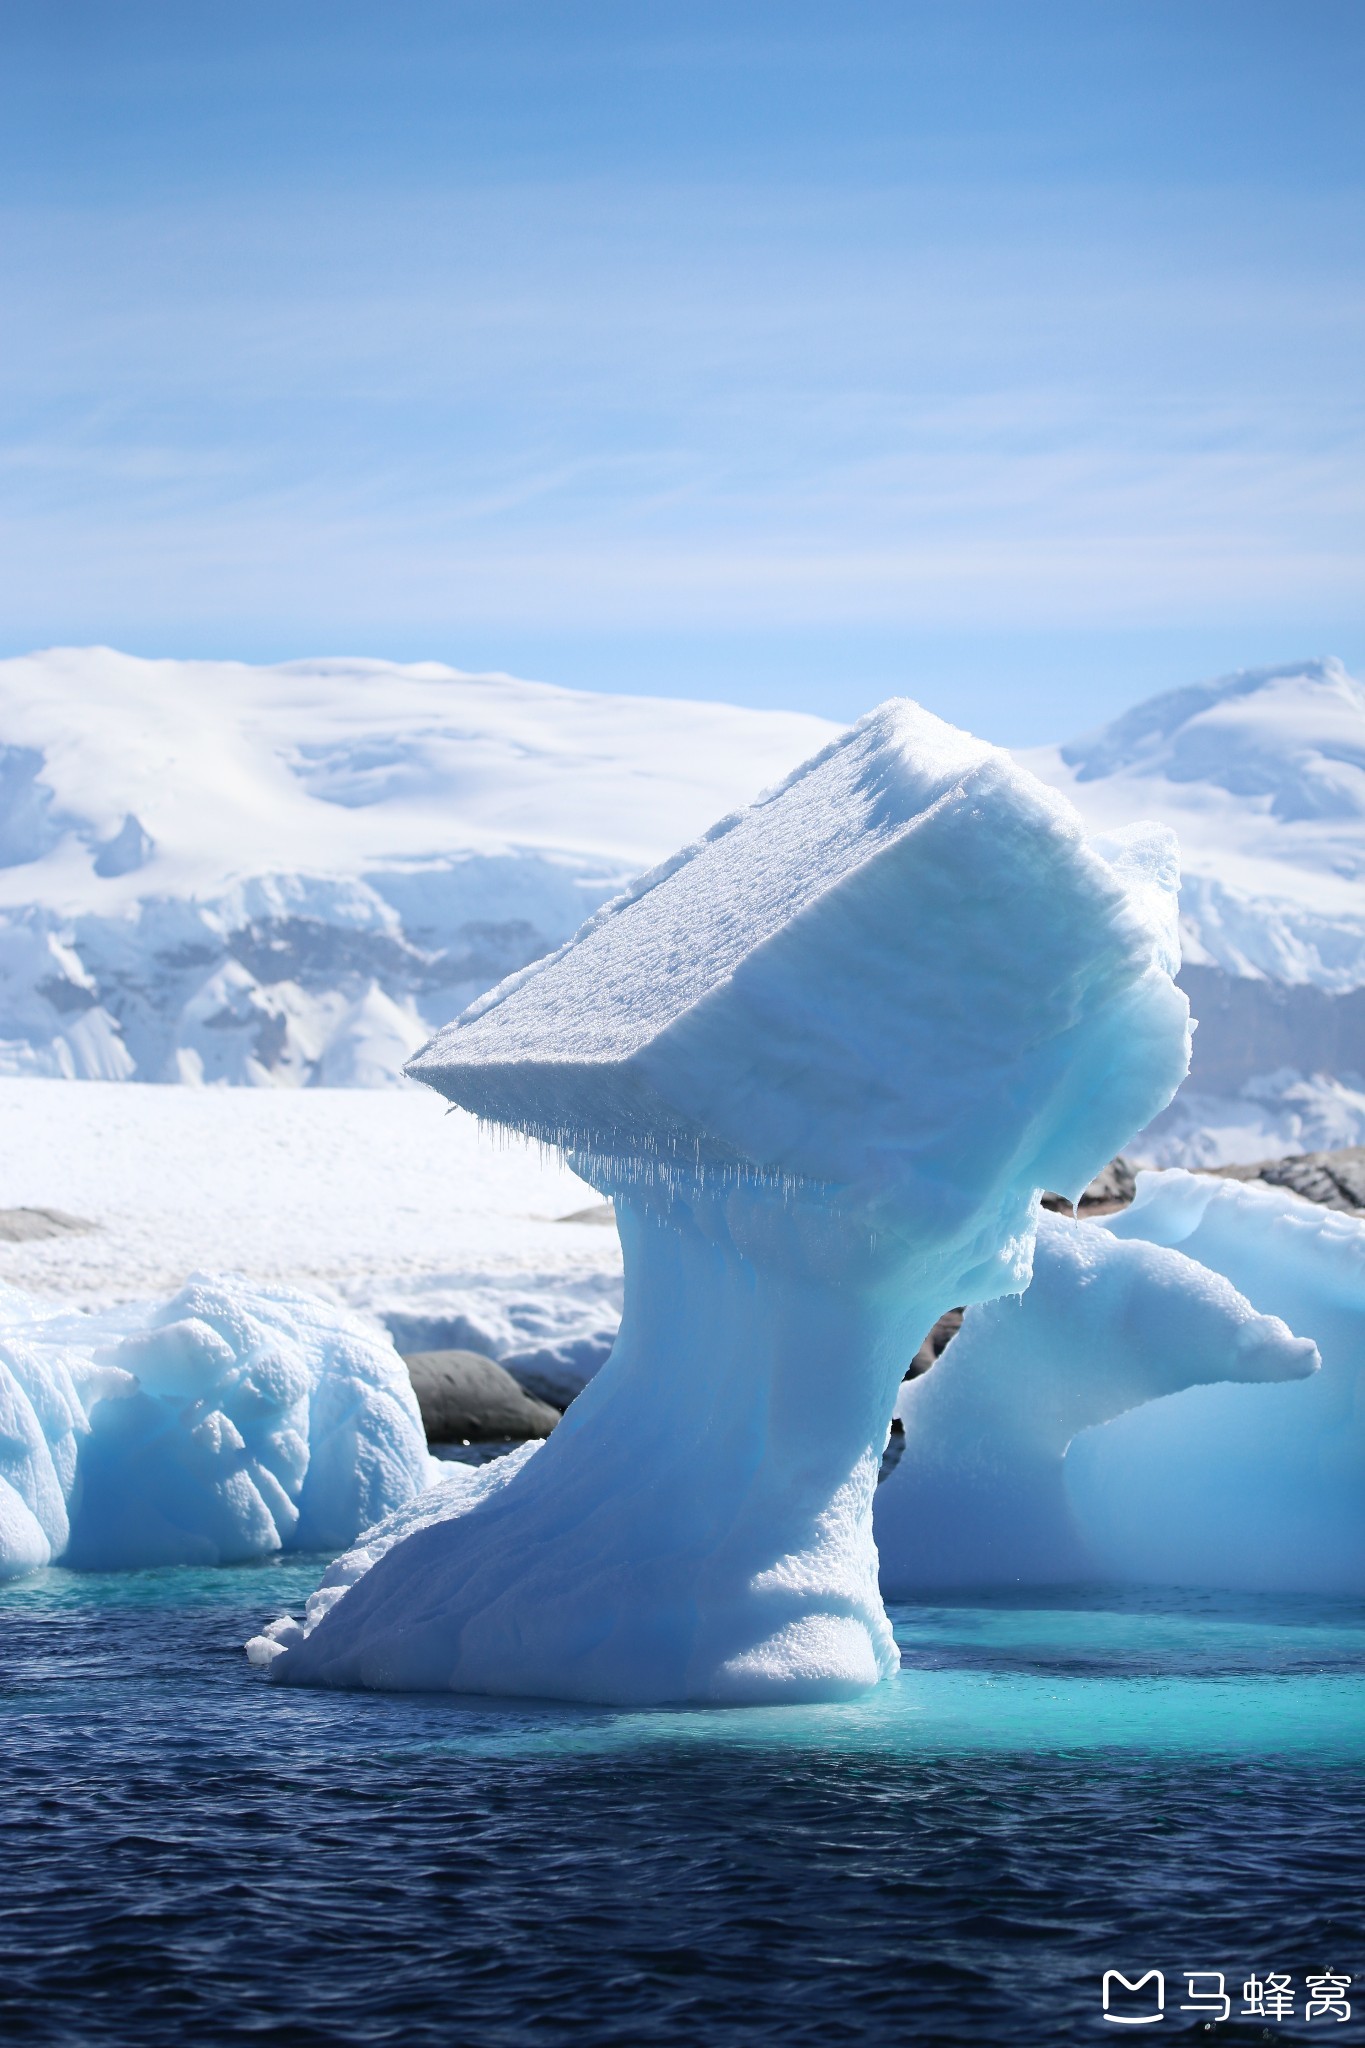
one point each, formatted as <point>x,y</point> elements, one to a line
<point>824,1061</point>
<point>980,1495</point>
<point>228,1423</point>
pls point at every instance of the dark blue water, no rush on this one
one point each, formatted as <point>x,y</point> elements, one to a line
<point>190,1856</point>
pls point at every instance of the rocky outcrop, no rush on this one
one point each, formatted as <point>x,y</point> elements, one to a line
<point>936,1343</point>
<point>1334,1180</point>
<point>467,1398</point>
<point>1112,1188</point>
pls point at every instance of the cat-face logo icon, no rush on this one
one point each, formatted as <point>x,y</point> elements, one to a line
<point>1148,2009</point>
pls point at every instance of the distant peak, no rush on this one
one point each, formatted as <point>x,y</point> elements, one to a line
<point>131,847</point>
<point>1294,734</point>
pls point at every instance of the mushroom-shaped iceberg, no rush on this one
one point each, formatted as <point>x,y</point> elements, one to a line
<point>824,1061</point>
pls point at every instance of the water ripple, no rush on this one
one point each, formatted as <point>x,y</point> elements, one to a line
<point>192,1857</point>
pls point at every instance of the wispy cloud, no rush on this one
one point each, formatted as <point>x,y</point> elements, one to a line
<point>477,395</point>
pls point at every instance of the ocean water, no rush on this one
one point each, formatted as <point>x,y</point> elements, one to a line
<point>1054,1787</point>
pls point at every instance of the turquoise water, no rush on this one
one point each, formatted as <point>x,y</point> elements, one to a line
<point>1051,1787</point>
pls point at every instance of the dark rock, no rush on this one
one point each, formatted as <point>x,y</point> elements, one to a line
<point>1334,1180</point>
<point>895,1449</point>
<point>1112,1188</point>
<point>467,1398</point>
<point>67,997</point>
<point>22,1226</point>
<point>937,1341</point>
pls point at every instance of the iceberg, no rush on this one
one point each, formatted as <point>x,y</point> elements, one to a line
<point>229,1423</point>
<point>981,1495</point>
<point>823,1061</point>
<point>1251,1488</point>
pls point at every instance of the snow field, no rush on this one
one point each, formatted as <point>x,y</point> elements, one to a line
<point>383,1202</point>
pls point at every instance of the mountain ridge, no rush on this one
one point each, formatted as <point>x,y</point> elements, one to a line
<point>1262,775</point>
<point>214,872</point>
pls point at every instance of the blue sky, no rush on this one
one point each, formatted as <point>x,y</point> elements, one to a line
<point>1009,355</point>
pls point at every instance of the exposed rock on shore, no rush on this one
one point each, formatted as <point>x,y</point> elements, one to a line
<point>25,1226</point>
<point>1334,1180</point>
<point>467,1398</point>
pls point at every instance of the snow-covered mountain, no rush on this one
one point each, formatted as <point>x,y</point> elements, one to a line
<point>1262,775</point>
<point>210,872</point>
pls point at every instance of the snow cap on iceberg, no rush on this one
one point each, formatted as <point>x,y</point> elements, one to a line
<point>866,976</point>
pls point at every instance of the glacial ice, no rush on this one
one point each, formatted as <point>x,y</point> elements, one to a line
<point>1257,1488</point>
<point>980,1494</point>
<point>823,1060</point>
<point>230,1422</point>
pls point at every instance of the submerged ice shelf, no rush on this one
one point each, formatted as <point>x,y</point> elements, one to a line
<point>823,1061</point>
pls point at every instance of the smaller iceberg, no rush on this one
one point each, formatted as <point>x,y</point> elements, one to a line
<point>1251,1488</point>
<point>229,1423</point>
<point>981,1493</point>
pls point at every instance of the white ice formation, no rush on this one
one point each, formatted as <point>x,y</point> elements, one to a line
<point>1253,1488</point>
<point>229,1423</point>
<point>824,1061</point>
<point>980,1495</point>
